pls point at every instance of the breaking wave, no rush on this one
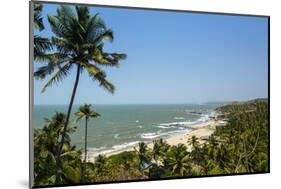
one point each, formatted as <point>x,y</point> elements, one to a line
<point>107,150</point>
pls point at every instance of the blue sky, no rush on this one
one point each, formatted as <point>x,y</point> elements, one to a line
<point>173,58</point>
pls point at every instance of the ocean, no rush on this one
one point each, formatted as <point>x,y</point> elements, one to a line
<point>124,126</point>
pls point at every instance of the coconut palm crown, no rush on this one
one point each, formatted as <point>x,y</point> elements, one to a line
<point>86,112</point>
<point>178,160</point>
<point>79,40</point>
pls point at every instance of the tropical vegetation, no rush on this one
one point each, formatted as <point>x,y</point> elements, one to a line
<point>240,146</point>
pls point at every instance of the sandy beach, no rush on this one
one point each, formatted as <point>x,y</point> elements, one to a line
<point>201,130</point>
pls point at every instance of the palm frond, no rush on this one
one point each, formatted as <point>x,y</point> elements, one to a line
<point>54,60</point>
<point>58,76</point>
<point>94,27</point>
<point>94,114</point>
<point>38,7</point>
<point>41,45</point>
<point>43,71</point>
<point>67,25</point>
<point>65,12</point>
<point>57,27</point>
<point>77,31</point>
<point>63,45</point>
<point>102,35</point>
<point>83,15</point>
<point>80,115</point>
<point>108,59</point>
<point>58,58</point>
<point>97,74</point>
<point>38,20</point>
<point>79,118</point>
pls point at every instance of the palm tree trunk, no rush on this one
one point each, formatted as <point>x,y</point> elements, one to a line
<point>85,154</point>
<point>86,135</point>
<point>58,160</point>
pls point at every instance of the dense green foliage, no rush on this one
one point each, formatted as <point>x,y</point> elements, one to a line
<point>46,142</point>
<point>239,147</point>
<point>246,138</point>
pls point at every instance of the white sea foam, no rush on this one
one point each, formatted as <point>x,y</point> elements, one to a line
<point>107,150</point>
<point>159,133</point>
<point>204,118</point>
<point>96,150</point>
<point>184,124</point>
<point>125,145</point>
<point>171,133</point>
<point>179,118</point>
<point>178,124</point>
<point>164,134</point>
<point>149,135</point>
<point>137,121</point>
<point>163,127</point>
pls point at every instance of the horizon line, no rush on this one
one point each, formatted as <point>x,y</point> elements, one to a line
<point>185,103</point>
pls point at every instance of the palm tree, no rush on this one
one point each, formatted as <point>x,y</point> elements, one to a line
<point>85,112</point>
<point>160,147</point>
<point>100,162</point>
<point>196,150</point>
<point>193,141</point>
<point>41,44</point>
<point>78,39</point>
<point>143,156</point>
<point>178,160</point>
<point>156,150</point>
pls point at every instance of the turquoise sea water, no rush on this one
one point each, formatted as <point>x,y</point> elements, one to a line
<point>123,126</point>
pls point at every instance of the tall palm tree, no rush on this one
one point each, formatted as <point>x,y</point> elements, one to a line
<point>85,112</point>
<point>78,38</point>
<point>41,44</point>
<point>178,160</point>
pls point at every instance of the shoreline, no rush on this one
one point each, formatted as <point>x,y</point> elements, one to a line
<point>200,130</point>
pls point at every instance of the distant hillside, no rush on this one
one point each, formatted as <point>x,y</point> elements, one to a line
<point>242,106</point>
<point>258,100</point>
